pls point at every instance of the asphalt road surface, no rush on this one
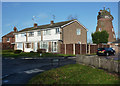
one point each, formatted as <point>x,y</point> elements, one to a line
<point>20,71</point>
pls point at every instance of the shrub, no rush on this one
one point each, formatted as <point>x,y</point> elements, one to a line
<point>17,51</point>
<point>31,52</point>
<point>41,50</point>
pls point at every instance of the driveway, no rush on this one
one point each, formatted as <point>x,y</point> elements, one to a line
<point>114,57</point>
<point>20,71</point>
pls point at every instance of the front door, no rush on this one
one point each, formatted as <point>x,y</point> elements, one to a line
<point>54,46</point>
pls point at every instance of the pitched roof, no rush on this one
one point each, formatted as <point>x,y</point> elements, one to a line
<point>58,24</point>
<point>9,34</point>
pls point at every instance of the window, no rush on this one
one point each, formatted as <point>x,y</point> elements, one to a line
<point>100,29</point>
<point>31,33</point>
<point>38,33</point>
<point>112,30</point>
<point>54,46</point>
<point>22,34</point>
<point>46,32</point>
<point>8,39</point>
<point>44,45</point>
<point>114,35</point>
<point>16,35</point>
<point>19,45</point>
<point>57,30</point>
<point>28,45</point>
<point>78,32</point>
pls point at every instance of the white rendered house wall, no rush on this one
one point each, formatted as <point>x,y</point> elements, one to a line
<point>20,38</point>
<point>34,38</point>
<point>51,36</point>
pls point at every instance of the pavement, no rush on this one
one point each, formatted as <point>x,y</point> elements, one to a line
<point>20,71</point>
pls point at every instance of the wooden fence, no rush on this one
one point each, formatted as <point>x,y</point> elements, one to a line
<point>80,48</point>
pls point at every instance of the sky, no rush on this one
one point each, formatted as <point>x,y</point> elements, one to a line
<point>20,14</point>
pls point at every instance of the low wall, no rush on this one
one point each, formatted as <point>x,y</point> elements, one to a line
<point>99,62</point>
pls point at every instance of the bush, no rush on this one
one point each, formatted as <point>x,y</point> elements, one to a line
<point>41,50</point>
<point>17,51</point>
<point>31,52</point>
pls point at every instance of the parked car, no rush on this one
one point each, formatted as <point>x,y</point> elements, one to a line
<point>105,51</point>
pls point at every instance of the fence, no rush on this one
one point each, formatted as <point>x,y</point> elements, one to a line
<point>108,64</point>
<point>80,48</point>
<point>91,48</point>
<point>73,49</point>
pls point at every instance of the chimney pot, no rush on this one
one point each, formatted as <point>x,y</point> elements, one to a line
<point>35,25</point>
<point>15,29</point>
<point>52,22</point>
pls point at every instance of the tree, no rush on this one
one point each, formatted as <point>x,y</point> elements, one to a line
<point>100,37</point>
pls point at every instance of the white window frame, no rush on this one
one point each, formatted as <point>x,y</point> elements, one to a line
<point>31,34</point>
<point>16,35</point>
<point>19,45</point>
<point>22,34</point>
<point>78,31</point>
<point>100,29</point>
<point>57,30</point>
<point>44,45</point>
<point>53,47</point>
<point>38,33</point>
<point>47,32</point>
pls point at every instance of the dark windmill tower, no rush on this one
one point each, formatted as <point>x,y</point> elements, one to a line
<point>104,22</point>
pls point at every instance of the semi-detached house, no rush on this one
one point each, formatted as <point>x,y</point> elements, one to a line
<point>50,36</point>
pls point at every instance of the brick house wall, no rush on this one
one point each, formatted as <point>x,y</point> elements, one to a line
<point>9,44</point>
<point>70,36</point>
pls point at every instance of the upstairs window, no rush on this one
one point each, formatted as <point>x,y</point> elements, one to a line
<point>22,34</point>
<point>100,29</point>
<point>46,32</point>
<point>39,33</point>
<point>57,30</point>
<point>114,35</point>
<point>31,34</point>
<point>16,35</point>
<point>78,32</point>
<point>8,39</point>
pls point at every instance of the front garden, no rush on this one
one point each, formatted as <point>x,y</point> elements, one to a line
<point>12,54</point>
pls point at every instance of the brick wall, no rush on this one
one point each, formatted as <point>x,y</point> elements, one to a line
<point>6,46</point>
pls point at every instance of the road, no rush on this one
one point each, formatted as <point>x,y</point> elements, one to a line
<point>20,71</point>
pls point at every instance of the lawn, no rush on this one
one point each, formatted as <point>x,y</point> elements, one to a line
<point>75,74</point>
<point>10,53</point>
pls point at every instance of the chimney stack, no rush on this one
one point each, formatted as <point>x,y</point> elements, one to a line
<point>35,25</point>
<point>52,22</point>
<point>15,29</point>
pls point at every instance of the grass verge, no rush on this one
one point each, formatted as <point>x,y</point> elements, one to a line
<point>75,74</point>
